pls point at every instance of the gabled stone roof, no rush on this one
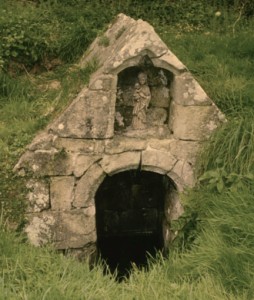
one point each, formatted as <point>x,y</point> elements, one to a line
<point>127,42</point>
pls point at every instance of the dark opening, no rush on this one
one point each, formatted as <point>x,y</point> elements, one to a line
<point>129,215</point>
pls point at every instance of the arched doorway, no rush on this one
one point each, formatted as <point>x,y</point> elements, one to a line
<point>130,217</point>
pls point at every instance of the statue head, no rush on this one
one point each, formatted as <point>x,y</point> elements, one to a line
<point>142,78</point>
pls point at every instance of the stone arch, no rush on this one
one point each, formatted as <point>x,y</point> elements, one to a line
<point>154,161</point>
<point>165,61</point>
<point>158,164</point>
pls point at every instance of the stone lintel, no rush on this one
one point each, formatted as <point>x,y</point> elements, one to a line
<point>157,161</point>
<point>115,67</point>
<point>121,144</point>
<point>160,144</point>
<point>112,164</point>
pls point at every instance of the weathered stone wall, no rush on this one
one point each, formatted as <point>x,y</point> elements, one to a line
<point>70,159</point>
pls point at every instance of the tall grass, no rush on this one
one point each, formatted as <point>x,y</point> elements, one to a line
<point>213,270</point>
<point>232,147</point>
<point>222,65</point>
<point>224,247</point>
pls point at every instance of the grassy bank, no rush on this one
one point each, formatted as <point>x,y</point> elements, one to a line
<point>212,258</point>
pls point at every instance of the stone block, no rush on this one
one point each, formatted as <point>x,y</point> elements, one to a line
<point>157,161</point>
<point>112,164</point>
<point>87,186</point>
<point>185,171</point>
<point>42,141</point>
<point>120,144</point>
<point>46,162</point>
<point>61,192</point>
<point>186,91</point>
<point>82,163</point>
<point>159,131</point>
<point>185,150</point>
<point>90,115</point>
<point>135,41</point>
<point>160,144</point>
<point>104,82</point>
<point>38,195</point>
<point>79,145</point>
<point>176,208</point>
<point>193,123</point>
<point>69,229</point>
<point>178,181</point>
<point>169,61</point>
<point>75,229</point>
<point>40,228</point>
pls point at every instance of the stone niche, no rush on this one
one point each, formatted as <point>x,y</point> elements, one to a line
<point>107,172</point>
<point>159,82</point>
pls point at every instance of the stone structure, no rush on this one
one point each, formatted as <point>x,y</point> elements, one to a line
<point>93,140</point>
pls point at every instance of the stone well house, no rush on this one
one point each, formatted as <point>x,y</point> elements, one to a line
<point>94,174</point>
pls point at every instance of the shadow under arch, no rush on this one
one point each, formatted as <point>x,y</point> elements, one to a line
<point>133,218</point>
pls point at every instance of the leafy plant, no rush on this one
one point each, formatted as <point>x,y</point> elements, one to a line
<point>218,180</point>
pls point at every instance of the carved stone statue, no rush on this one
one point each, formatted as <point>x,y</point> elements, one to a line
<point>141,98</point>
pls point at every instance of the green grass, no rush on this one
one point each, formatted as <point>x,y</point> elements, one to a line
<point>231,147</point>
<point>212,257</point>
<point>210,271</point>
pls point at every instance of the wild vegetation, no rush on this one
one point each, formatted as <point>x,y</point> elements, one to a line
<point>213,257</point>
